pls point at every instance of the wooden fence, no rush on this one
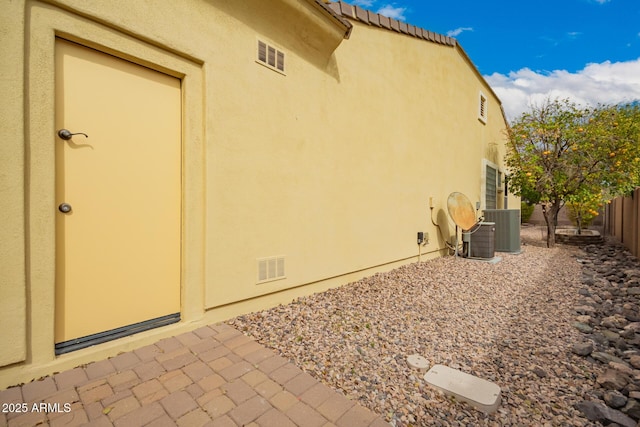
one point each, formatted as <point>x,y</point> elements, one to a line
<point>622,221</point>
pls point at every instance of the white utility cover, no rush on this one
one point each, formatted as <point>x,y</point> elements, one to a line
<point>418,362</point>
<point>481,394</point>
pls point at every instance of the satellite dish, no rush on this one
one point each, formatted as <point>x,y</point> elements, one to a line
<point>461,210</point>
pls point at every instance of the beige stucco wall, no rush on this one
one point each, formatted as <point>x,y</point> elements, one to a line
<point>335,172</point>
<point>13,292</point>
<point>331,166</point>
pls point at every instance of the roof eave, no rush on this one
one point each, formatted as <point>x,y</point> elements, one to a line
<point>324,8</point>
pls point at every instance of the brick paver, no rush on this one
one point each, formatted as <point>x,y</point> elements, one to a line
<point>219,406</point>
<point>283,400</point>
<point>194,418</point>
<point>305,416</point>
<point>125,361</point>
<point>248,411</point>
<point>99,369</point>
<point>356,416</point>
<point>300,383</point>
<point>212,376</point>
<point>141,416</point>
<point>71,378</point>
<point>179,403</point>
<point>121,407</point>
<point>148,370</point>
<point>38,390</point>
<point>334,407</point>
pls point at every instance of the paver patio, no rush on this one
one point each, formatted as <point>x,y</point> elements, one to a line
<point>213,376</point>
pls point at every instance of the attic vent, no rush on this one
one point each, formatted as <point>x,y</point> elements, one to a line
<point>270,57</point>
<point>482,108</point>
<point>270,269</point>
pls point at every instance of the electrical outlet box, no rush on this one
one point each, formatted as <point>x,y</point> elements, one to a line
<point>420,237</point>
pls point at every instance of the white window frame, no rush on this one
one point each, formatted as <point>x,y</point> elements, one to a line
<point>279,56</point>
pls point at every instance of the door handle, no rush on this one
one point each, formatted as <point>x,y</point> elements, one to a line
<point>66,135</point>
<point>64,207</point>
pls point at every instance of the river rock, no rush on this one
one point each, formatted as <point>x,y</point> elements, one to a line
<point>614,322</point>
<point>611,336</point>
<point>583,318</point>
<point>632,409</point>
<point>606,357</point>
<point>583,348</point>
<point>585,309</point>
<point>612,379</point>
<point>582,327</point>
<point>615,399</point>
<point>598,411</point>
<point>635,361</point>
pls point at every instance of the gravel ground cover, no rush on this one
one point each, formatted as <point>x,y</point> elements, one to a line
<point>510,322</point>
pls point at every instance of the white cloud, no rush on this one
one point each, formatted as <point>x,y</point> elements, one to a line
<point>393,12</point>
<point>607,83</point>
<point>458,31</point>
<point>363,3</point>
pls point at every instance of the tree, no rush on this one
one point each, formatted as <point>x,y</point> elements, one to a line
<point>583,208</point>
<point>561,152</point>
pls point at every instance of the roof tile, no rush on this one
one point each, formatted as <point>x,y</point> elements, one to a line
<point>384,21</point>
<point>374,18</point>
<point>395,25</point>
<point>335,6</point>
<point>371,18</point>
<point>362,15</point>
<point>346,9</point>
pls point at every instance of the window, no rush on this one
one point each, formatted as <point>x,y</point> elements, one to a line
<point>491,192</point>
<point>270,57</point>
<point>482,108</point>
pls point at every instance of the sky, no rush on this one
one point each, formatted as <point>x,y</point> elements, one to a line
<point>528,51</point>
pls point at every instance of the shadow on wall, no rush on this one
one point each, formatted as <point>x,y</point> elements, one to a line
<point>289,30</point>
<point>492,154</point>
<point>442,219</point>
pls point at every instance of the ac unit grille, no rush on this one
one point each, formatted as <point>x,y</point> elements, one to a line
<point>482,241</point>
<point>507,228</point>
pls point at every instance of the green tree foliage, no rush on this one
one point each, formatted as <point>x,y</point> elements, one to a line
<point>583,207</point>
<point>560,152</point>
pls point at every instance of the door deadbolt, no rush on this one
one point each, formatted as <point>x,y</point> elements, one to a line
<point>64,208</point>
<point>66,134</point>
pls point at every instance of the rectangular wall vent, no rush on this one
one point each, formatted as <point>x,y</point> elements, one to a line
<point>482,108</point>
<point>270,56</point>
<point>270,269</point>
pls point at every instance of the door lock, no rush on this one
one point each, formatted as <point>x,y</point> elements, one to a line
<point>64,208</point>
<point>66,134</point>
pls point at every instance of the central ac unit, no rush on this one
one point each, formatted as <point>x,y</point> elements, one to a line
<point>479,241</point>
<point>507,228</point>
